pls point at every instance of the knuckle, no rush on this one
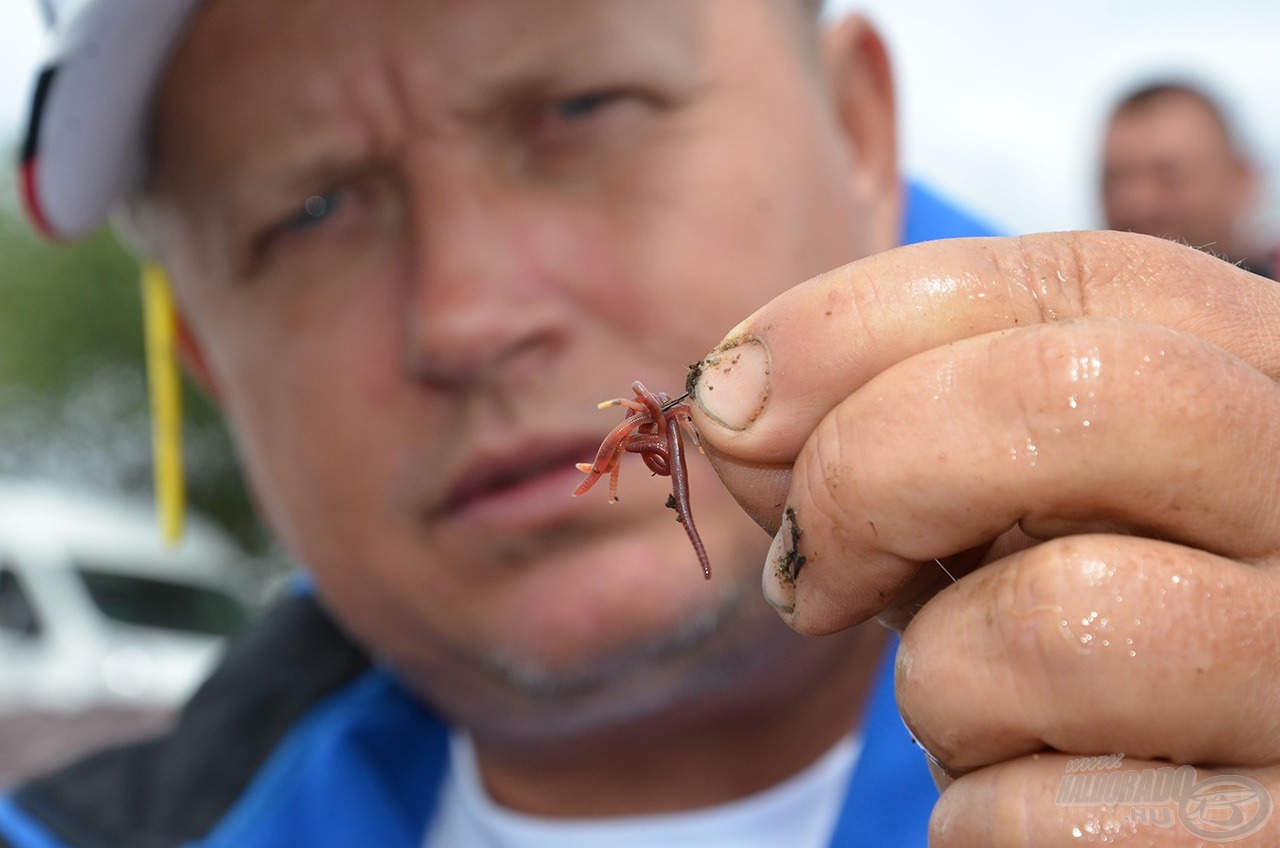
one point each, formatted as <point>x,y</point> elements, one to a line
<point>1052,273</point>
<point>832,472</point>
<point>1060,371</point>
<point>1065,273</point>
<point>1030,602</point>
<point>1081,370</point>
<point>990,807</point>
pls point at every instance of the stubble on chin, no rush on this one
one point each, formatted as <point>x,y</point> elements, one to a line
<point>510,697</point>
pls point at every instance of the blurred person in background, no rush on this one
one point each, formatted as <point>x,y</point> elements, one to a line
<point>412,243</point>
<point>1173,166</point>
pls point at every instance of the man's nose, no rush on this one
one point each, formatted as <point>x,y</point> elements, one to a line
<point>483,304</point>
<point>1134,203</point>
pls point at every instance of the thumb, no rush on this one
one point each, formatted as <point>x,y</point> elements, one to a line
<point>761,393</point>
<point>763,390</point>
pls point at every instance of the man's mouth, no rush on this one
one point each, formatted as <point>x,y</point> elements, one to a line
<point>527,471</point>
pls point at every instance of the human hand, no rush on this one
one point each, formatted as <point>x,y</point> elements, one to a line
<point>1085,429</point>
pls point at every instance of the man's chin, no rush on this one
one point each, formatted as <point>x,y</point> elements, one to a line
<point>548,665</point>
<point>623,596</point>
<point>546,689</point>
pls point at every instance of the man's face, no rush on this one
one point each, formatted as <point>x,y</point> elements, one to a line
<point>416,242</point>
<point>1169,170</point>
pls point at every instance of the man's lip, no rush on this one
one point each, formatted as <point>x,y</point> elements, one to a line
<point>491,474</point>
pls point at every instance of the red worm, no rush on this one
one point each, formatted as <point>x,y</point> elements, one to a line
<point>651,428</point>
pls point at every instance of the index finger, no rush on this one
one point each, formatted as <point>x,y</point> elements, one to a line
<point>764,389</point>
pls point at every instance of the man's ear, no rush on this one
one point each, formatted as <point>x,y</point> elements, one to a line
<point>192,359</point>
<point>860,79</point>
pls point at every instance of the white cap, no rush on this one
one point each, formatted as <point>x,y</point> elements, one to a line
<point>85,145</point>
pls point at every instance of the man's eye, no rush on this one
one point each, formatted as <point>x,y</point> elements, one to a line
<point>592,117</point>
<point>574,108</point>
<point>328,213</point>
<point>315,210</point>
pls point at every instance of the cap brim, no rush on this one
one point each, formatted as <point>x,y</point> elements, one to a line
<point>85,146</point>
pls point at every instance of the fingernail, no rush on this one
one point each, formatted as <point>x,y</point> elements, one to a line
<point>781,567</point>
<point>732,384</point>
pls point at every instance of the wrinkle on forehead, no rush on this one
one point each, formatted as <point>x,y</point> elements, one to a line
<point>249,98</point>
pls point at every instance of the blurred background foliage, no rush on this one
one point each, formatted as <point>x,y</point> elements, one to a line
<point>73,401</point>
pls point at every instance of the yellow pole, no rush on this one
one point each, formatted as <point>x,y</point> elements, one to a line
<point>165,388</point>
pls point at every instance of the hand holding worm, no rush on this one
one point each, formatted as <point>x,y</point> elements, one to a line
<point>1088,427</point>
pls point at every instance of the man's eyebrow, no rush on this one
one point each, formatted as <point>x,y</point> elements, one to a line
<point>536,65</point>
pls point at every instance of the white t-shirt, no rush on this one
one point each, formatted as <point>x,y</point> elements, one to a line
<point>800,812</point>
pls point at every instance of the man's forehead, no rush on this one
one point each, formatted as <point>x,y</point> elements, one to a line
<point>227,33</point>
<point>237,60</point>
<point>1175,115</point>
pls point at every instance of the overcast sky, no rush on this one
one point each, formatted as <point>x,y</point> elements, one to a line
<point>1001,99</point>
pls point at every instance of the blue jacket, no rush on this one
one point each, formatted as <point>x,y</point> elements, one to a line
<point>299,740</point>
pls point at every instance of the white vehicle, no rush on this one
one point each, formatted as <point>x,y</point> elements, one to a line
<point>94,610</point>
